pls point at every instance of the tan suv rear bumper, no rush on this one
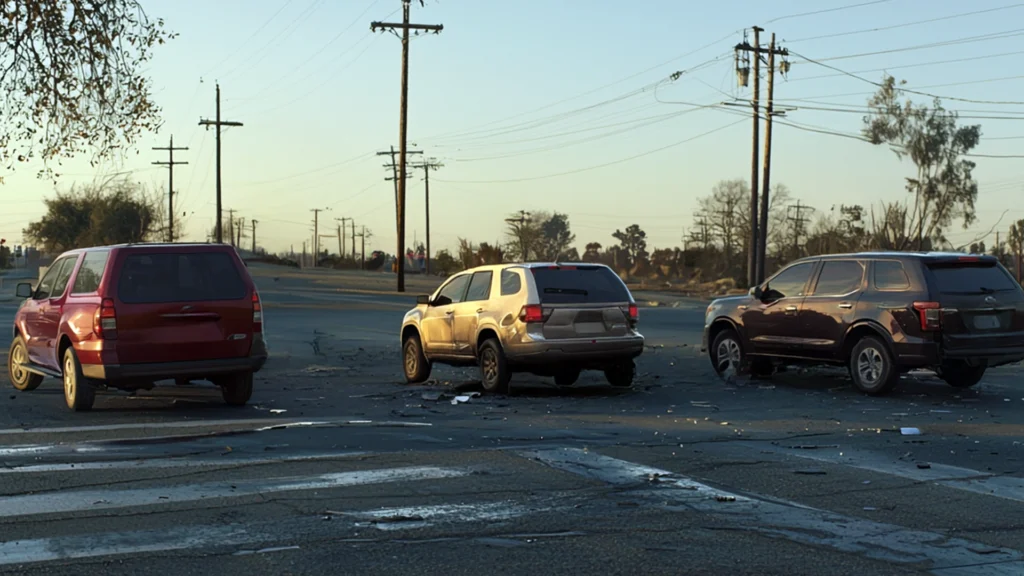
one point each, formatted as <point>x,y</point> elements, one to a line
<point>599,351</point>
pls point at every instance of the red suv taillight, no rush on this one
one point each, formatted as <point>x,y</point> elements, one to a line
<point>930,314</point>
<point>532,313</point>
<point>104,322</point>
<point>257,313</point>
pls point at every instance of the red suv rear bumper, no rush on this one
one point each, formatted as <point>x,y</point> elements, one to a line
<point>189,369</point>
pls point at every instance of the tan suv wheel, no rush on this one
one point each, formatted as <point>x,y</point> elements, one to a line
<point>494,372</point>
<point>414,362</point>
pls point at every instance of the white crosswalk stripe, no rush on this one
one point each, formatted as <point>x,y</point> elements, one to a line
<point>422,495</point>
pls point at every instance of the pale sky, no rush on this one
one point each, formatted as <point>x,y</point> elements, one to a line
<point>547,105</point>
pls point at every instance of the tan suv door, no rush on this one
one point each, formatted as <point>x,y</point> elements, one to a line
<point>467,313</point>
<point>436,323</point>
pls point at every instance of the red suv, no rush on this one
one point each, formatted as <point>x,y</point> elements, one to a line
<point>127,316</point>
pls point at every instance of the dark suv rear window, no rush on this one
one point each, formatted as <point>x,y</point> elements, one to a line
<point>179,277</point>
<point>578,285</point>
<point>978,278</point>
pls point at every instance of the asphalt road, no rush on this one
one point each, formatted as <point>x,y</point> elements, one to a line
<point>337,467</point>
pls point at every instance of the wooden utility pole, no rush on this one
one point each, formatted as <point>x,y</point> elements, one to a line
<point>362,253</point>
<point>517,226</point>
<point>316,233</point>
<point>341,236</point>
<point>399,203</point>
<point>240,228</point>
<point>762,244</point>
<point>254,222</point>
<point>427,166</point>
<point>744,71</point>
<point>231,226</point>
<point>170,183</point>
<point>353,221</point>
<point>218,123</point>
<point>798,225</point>
<point>405,27</point>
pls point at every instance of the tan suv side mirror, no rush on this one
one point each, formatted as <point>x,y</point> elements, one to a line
<point>423,299</point>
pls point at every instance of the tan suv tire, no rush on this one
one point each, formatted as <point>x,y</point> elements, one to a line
<point>79,392</point>
<point>21,379</point>
<point>872,368</point>
<point>414,362</point>
<point>621,376</point>
<point>567,377</point>
<point>494,372</point>
<point>237,389</point>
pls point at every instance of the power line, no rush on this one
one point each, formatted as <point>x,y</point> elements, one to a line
<point>284,34</point>
<point>238,49</point>
<point>905,24</point>
<point>957,41</point>
<point>826,10</point>
<point>907,90</point>
<point>604,165</point>
<point>904,66</point>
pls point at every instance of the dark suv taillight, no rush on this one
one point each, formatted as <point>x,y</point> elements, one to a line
<point>257,313</point>
<point>104,322</point>
<point>930,314</point>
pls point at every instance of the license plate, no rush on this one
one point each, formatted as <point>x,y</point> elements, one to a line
<point>986,322</point>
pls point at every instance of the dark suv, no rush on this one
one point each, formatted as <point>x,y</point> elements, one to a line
<point>127,316</point>
<point>880,314</point>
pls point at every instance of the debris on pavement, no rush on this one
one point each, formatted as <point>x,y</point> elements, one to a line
<point>811,472</point>
<point>463,398</point>
<point>725,498</point>
<point>434,396</point>
<point>910,431</point>
<point>924,465</point>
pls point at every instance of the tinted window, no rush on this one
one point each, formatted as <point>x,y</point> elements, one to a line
<point>177,277</point>
<point>480,287</point>
<point>578,284</point>
<point>46,284</point>
<point>791,281</point>
<point>511,283</point>
<point>890,275</point>
<point>453,290</point>
<point>976,279</point>
<point>60,285</point>
<point>840,277</point>
<point>90,273</point>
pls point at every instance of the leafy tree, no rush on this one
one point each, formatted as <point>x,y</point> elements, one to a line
<point>943,190</point>
<point>833,234</point>
<point>111,211</point>
<point>1016,242</point>
<point>592,252</point>
<point>633,242</point>
<point>556,238</point>
<point>444,263</point>
<point>72,77</point>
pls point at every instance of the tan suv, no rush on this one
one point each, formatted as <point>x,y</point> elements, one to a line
<point>546,319</point>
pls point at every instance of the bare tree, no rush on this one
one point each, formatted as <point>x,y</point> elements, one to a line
<point>72,78</point>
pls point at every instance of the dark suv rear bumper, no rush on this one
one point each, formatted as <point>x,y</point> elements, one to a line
<point>986,357</point>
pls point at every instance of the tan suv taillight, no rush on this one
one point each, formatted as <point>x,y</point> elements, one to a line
<point>257,313</point>
<point>104,322</point>
<point>930,315</point>
<point>531,313</point>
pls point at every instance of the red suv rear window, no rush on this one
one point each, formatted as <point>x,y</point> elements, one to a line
<point>179,277</point>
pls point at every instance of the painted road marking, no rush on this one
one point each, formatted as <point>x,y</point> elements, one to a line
<point>422,516</point>
<point>985,483</point>
<point>256,424</point>
<point>64,502</point>
<point>943,555</point>
<point>175,462</point>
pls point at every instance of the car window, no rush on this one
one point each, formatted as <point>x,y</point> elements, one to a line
<point>972,278</point>
<point>480,287</point>
<point>511,283</point>
<point>45,287</point>
<point>179,277</point>
<point>60,285</point>
<point>890,276</point>
<point>791,281</point>
<point>453,291</point>
<point>578,284</point>
<point>91,272</point>
<point>839,277</point>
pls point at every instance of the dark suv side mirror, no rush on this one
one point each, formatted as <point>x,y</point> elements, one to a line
<point>756,292</point>
<point>423,299</point>
<point>23,290</point>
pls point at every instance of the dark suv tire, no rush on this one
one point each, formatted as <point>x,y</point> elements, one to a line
<point>727,352</point>
<point>872,368</point>
<point>961,375</point>
<point>21,379</point>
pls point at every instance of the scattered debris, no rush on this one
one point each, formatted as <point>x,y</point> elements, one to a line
<point>277,410</point>
<point>434,396</point>
<point>725,498</point>
<point>813,446</point>
<point>924,465</point>
<point>811,472</point>
<point>870,509</point>
<point>463,398</point>
<point>910,431</point>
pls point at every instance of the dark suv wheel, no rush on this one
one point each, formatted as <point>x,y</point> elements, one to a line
<point>960,374</point>
<point>726,353</point>
<point>872,368</point>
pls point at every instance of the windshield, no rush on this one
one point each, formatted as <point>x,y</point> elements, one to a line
<point>578,285</point>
